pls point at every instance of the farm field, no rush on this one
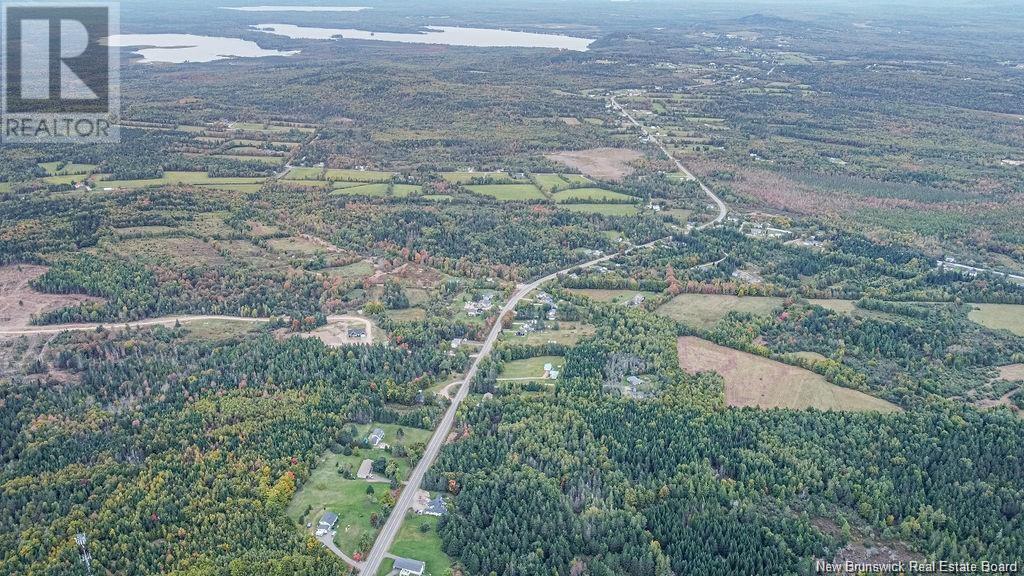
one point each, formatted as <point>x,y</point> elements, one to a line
<point>705,310</point>
<point>508,191</point>
<point>530,367</point>
<point>999,317</point>
<point>469,177</point>
<point>359,269</point>
<point>356,175</point>
<point>418,539</point>
<point>378,190</point>
<point>55,169</point>
<point>601,163</point>
<point>596,195</point>
<point>754,381</point>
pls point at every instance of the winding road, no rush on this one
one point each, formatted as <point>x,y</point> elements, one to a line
<point>723,210</point>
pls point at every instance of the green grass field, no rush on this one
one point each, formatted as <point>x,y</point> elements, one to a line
<point>755,381</point>
<point>326,489</point>
<point>418,540</point>
<point>359,269</point>
<point>508,191</point>
<point>467,177</point>
<point>599,295</point>
<point>999,317</point>
<point>51,168</point>
<point>300,173</point>
<point>357,175</point>
<point>705,310</point>
<point>380,189</point>
<point>569,333</point>
<point>531,367</point>
<point>604,209</point>
<point>595,194</point>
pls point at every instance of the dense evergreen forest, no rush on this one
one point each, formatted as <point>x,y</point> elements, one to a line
<point>176,456</point>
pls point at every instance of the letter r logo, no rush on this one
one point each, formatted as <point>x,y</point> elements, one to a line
<point>54,60</point>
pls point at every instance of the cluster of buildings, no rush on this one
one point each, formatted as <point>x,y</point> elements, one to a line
<point>476,308</point>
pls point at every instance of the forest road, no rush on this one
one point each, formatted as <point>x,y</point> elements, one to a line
<point>394,522</point>
<point>723,210</point>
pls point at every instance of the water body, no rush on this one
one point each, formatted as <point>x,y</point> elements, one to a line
<point>298,8</point>
<point>448,35</point>
<point>181,48</point>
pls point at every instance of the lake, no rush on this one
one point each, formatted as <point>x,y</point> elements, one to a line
<point>298,8</point>
<point>448,35</point>
<point>181,48</point>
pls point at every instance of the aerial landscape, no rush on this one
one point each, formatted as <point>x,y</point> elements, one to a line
<point>575,288</point>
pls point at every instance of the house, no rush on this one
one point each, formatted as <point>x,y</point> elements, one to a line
<point>409,567</point>
<point>637,300</point>
<point>327,521</point>
<point>456,342</point>
<point>553,375</point>
<point>634,381</point>
<point>548,367</point>
<point>357,332</point>
<point>375,437</point>
<point>436,507</point>
<point>365,470</point>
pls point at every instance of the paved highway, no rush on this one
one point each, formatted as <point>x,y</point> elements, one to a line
<point>394,522</point>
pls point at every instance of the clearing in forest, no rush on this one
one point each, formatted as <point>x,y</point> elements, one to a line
<point>508,191</point>
<point>999,317</point>
<point>752,380</point>
<point>705,310</point>
<point>600,163</point>
<point>19,301</point>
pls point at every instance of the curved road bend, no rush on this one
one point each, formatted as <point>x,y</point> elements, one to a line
<point>394,522</point>
<point>723,210</point>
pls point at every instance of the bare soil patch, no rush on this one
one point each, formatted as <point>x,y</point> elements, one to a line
<point>600,163</point>
<point>19,301</point>
<point>752,380</point>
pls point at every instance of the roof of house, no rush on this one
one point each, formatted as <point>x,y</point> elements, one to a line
<point>377,435</point>
<point>437,506</point>
<point>414,566</point>
<point>634,380</point>
<point>329,518</point>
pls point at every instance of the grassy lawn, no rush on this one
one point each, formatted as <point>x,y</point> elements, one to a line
<point>752,380</point>
<point>705,310</point>
<point>595,194</point>
<point>599,295</point>
<point>568,333</point>
<point>295,245</point>
<point>604,209</point>
<point>326,489</point>
<point>357,175</point>
<point>508,191</point>
<point>999,317</point>
<point>531,367</point>
<point>418,540</point>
